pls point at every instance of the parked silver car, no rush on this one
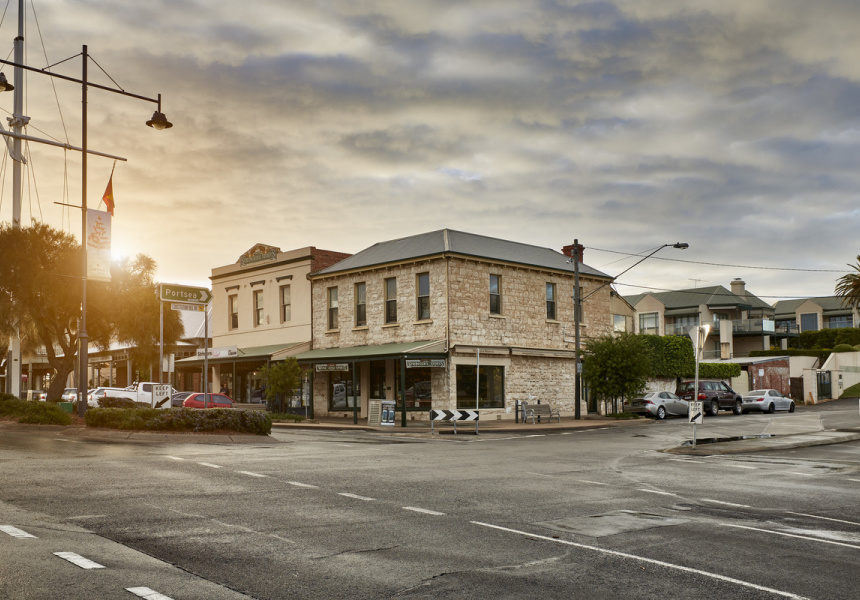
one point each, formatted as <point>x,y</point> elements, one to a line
<point>658,405</point>
<point>767,401</point>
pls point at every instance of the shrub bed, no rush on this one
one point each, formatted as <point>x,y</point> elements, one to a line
<point>181,419</point>
<point>39,413</point>
<point>112,402</point>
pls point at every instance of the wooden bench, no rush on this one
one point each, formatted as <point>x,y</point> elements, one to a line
<point>534,411</point>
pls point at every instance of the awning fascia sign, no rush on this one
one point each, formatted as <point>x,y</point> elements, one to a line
<point>425,363</point>
<point>331,367</point>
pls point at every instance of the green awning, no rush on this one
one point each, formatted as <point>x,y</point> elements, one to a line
<point>369,352</point>
<point>250,354</point>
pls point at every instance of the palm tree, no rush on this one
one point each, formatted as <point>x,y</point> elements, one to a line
<point>848,287</point>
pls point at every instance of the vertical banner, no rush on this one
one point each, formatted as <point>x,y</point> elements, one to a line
<point>98,245</point>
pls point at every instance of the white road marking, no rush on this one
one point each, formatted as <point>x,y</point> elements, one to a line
<point>252,474</point>
<point>424,510</point>
<point>77,559</point>
<point>535,435</point>
<point>15,532</point>
<point>658,492</point>
<point>652,561</point>
<point>591,482</point>
<point>728,464</point>
<point>725,503</point>
<point>356,496</point>
<point>801,474</point>
<point>205,464</point>
<point>303,485</point>
<point>824,518</point>
<point>855,480</point>
<point>539,474</point>
<point>687,460</point>
<point>147,594</point>
<point>175,458</point>
<point>802,537</point>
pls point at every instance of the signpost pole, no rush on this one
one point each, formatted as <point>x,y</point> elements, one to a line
<point>205,356</point>
<point>160,335</point>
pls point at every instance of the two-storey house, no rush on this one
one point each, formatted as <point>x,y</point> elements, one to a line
<point>448,320</point>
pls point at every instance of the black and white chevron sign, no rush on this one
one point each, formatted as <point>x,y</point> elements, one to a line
<point>454,415</point>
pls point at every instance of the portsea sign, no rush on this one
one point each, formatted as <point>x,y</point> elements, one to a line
<point>184,293</point>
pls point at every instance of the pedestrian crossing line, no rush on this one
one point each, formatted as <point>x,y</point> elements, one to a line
<point>147,594</point>
<point>78,560</point>
<point>16,533</point>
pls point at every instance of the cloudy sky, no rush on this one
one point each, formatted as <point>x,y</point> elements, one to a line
<point>733,125</point>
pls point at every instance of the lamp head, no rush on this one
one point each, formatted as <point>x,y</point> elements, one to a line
<point>159,121</point>
<point>5,86</point>
<point>681,245</point>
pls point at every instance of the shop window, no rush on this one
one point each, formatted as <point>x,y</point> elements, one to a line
<point>342,396</point>
<point>488,390</point>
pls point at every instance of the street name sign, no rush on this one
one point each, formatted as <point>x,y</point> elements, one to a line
<point>184,293</point>
<point>194,307</point>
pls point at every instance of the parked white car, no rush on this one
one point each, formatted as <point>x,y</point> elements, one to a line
<point>768,401</point>
<point>70,395</point>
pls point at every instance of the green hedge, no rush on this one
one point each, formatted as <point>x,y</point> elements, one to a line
<point>41,413</point>
<point>821,355</point>
<point>113,402</point>
<point>671,355</point>
<point>181,419</point>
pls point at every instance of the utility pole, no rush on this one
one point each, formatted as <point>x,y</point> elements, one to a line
<point>577,311</point>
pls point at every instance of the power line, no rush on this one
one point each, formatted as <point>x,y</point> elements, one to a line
<point>724,265</point>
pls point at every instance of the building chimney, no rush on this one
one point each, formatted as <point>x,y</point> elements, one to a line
<point>739,287</point>
<point>568,251</point>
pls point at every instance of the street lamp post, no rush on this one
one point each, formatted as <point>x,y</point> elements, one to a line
<point>578,299</point>
<point>158,121</point>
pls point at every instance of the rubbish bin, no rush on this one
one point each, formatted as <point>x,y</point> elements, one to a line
<point>68,407</point>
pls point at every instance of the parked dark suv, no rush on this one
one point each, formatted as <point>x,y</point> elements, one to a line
<point>714,393</point>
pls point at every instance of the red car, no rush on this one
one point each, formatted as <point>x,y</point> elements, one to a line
<point>212,401</point>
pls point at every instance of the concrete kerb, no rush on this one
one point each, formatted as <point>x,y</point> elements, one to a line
<point>759,444</point>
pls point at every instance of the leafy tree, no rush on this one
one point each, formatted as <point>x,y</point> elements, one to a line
<point>40,297</point>
<point>617,366</point>
<point>281,379</point>
<point>848,286</point>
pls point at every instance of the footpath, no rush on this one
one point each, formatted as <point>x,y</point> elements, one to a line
<point>831,423</point>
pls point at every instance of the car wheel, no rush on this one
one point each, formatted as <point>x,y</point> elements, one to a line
<point>771,409</point>
<point>661,412</point>
<point>738,409</point>
<point>715,408</point>
<point>791,407</point>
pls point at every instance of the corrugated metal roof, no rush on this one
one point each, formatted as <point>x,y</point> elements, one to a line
<point>714,296</point>
<point>460,243</point>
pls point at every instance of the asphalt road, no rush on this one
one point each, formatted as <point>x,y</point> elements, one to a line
<point>586,514</point>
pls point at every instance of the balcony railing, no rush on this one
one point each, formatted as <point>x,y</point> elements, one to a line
<point>763,326</point>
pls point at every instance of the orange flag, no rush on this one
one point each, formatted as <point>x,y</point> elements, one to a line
<point>108,196</point>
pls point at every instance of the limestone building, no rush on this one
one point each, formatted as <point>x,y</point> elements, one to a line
<point>448,319</point>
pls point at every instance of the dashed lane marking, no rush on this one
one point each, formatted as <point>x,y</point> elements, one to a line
<point>687,460</point>
<point>303,485</point>
<point>16,533</point>
<point>424,510</point>
<point>147,594</point>
<point>652,561</point>
<point>175,458</point>
<point>658,492</point>
<point>725,503</point>
<point>205,464</point>
<point>591,482</point>
<point>355,496</point>
<point>252,474</point>
<point>77,559</point>
<point>793,535</point>
<point>823,518</point>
